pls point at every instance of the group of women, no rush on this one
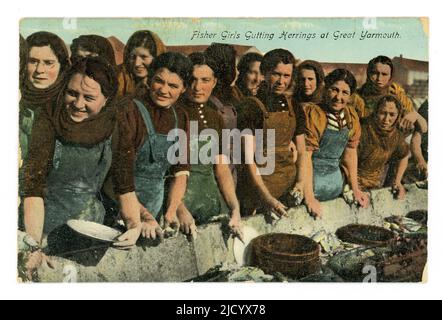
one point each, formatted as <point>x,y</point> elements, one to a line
<point>91,130</point>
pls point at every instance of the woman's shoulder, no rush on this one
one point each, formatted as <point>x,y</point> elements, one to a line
<point>353,113</point>
<point>312,109</point>
<point>396,89</point>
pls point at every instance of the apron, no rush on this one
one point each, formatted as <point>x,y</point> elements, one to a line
<point>328,181</point>
<point>152,166</point>
<point>284,176</point>
<point>26,123</point>
<point>203,198</point>
<point>74,183</point>
<point>230,117</point>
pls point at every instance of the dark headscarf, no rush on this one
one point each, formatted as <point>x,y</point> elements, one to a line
<point>33,97</point>
<point>225,58</point>
<point>95,129</point>
<point>244,67</point>
<point>317,96</point>
<point>96,44</point>
<point>144,38</point>
<point>369,89</point>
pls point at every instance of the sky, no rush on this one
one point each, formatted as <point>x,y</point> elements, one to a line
<point>411,34</point>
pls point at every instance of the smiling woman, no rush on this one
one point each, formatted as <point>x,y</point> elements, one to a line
<point>78,149</point>
<point>141,162</point>
<point>332,136</point>
<point>141,48</point>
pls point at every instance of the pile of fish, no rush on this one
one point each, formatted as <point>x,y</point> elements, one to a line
<point>230,272</point>
<point>403,225</point>
<point>330,243</point>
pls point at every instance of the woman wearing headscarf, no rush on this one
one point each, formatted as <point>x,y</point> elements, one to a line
<point>309,83</point>
<point>47,61</point>
<point>142,163</point>
<point>380,72</point>
<point>92,45</point>
<point>250,76</point>
<point>333,132</point>
<point>141,48</point>
<point>70,153</point>
<point>381,143</point>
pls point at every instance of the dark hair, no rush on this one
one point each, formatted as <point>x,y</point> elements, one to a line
<point>23,60</point>
<point>246,60</point>
<point>389,98</point>
<point>311,65</point>
<point>142,38</point>
<point>379,59</point>
<point>175,62</point>
<point>224,56</point>
<point>244,66</point>
<point>98,69</point>
<point>93,43</point>
<point>274,57</point>
<point>43,39</point>
<point>341,75</point>
<point>201,58</point>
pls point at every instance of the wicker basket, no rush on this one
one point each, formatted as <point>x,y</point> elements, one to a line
<point>293,255</point>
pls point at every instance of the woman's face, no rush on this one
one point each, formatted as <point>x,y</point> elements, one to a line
<point>338,95</point>
<point>203,83</point>
<point>141,59</point>
<point>387,115</point>
<point>308,82</point>
<point>43,67</point>
<point>280,78</point>
<point>253,77</point>
<point>381,75</point>
<point>83,97</point>
<point>166,87</point>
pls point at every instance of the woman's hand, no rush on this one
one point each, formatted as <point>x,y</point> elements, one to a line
<point>313,207</point>
<point>150,229</point>
<point>129,239</point>
<point>399,191</point>
<point>422,169</point>
<point>276,207</point>
<point>294,150</point>
<point>186,222</point>
<point>407,123</point>
<point>362,198</point>
<point>35,260</point>
<point>171,221</point>
<point>235,225</point>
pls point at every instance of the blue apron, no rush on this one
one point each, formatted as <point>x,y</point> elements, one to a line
<point>74,183</point>
<point>152,165</point>
<point>328,181</point>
